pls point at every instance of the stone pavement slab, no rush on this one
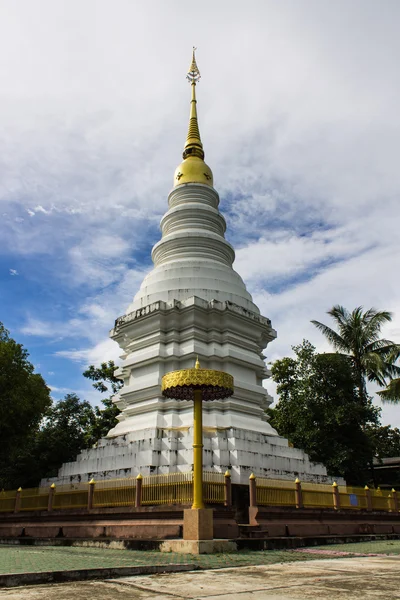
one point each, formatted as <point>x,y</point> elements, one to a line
<point>299,575</point>
<point>375,578</point>
<point>311,579</point>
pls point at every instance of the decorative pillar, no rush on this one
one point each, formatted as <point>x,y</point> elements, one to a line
<point>138,491</point>
<point>298,493</point>
<point>17,505</point>
<point>369,498</point>
<point>228,489</point>
<point>91,494</point>
<point>198,450</point>
<point>50,501</point>
<point>253,490</point>
<point>395,500</point>
<point>198,385</point>
<point>336,496</point>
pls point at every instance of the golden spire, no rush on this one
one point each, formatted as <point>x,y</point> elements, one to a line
<point>193,146</point>
<point>193,169</point>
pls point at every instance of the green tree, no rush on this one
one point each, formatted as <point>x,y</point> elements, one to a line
<point>385,440</point>
<point>66,431</point>
<point>24,399</point>
<point>105,380</point>
<point>320,412</point>
<point>358,338</point>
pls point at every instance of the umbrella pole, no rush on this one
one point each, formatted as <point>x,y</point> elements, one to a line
<point>198,450</point>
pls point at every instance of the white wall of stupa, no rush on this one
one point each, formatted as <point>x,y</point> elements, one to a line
<point>192,303</point>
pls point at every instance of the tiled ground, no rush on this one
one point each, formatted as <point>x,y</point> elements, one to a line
<point>379,547</point>
<point>30,559</point>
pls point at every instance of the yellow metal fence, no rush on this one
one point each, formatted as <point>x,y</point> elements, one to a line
<point>272,492</point>
<point>34,499</point>
<point>7,500</point>
<point>173,488</point>
<point>213,488</point>
<point>177,488</point>
<point>382,500</point>
<point>114,492</point>
<point>275,492</point>
<point>71,499</point>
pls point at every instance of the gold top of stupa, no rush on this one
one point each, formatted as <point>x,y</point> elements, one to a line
<point>193,169</point>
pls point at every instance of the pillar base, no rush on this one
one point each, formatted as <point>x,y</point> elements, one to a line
<point>198,546</point>
<point>198,524</point>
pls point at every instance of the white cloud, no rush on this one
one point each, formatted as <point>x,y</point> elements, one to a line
<point>103,351</point>
<point>300,126</point>
<point>89,394</point>
<point>53,329</point>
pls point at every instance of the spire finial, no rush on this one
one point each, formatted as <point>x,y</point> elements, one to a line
<point>197,364</point>
<point>193,75</point>
<point>193,169</point>
<point>193,146</point>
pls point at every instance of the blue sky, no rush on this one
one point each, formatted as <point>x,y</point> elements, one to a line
<point>298,108</point>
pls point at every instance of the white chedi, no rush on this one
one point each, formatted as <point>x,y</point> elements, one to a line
<point>192,303</point>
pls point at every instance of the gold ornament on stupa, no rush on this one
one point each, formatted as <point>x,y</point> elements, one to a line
<point>193,169</point>
<point>183,384</point>
<point>197,384</point>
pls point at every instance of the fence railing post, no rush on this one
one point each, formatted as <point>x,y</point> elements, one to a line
<point>298,493</point>
<point>52,491</point>
<point>336,496</point>
<point>253,490</point>
<point>17,505</point>
<point>138,493</point>
<point>228,489</point>
<point>369,498</point>
<point>395,500</point>
<point>92,483</point>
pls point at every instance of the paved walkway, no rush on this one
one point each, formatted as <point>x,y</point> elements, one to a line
<point>36,559</point>
<point>375,578</point>
<point>370,570</point>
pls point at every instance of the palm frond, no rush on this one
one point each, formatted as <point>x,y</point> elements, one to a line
<point>332,336</point>
<point>383,346</point>
<point>392,392</point>
<point>374,320</point>
<point>339,314</point>
<point>374,367</point>
<point>358,336</point>
<point>391,370</point>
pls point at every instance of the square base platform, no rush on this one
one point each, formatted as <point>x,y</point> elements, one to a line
<point>198,524</point>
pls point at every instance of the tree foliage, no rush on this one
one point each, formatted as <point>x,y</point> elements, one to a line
<point>372,357</point>
<point>104,378</point>
<point>385,441</point>
<point>24,399</point>
<point>66,431</point>
<point>392,392</point>
<point>37,435</point>
<point>319,411</point>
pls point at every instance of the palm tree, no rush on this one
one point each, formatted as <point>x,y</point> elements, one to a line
<point>392,392</point>
<point>372,358</point>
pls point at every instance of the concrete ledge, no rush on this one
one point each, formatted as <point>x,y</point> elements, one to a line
<point>198,546</point>
<point>17,579</point>
<point>287,543</point>
<point>252,543</point>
